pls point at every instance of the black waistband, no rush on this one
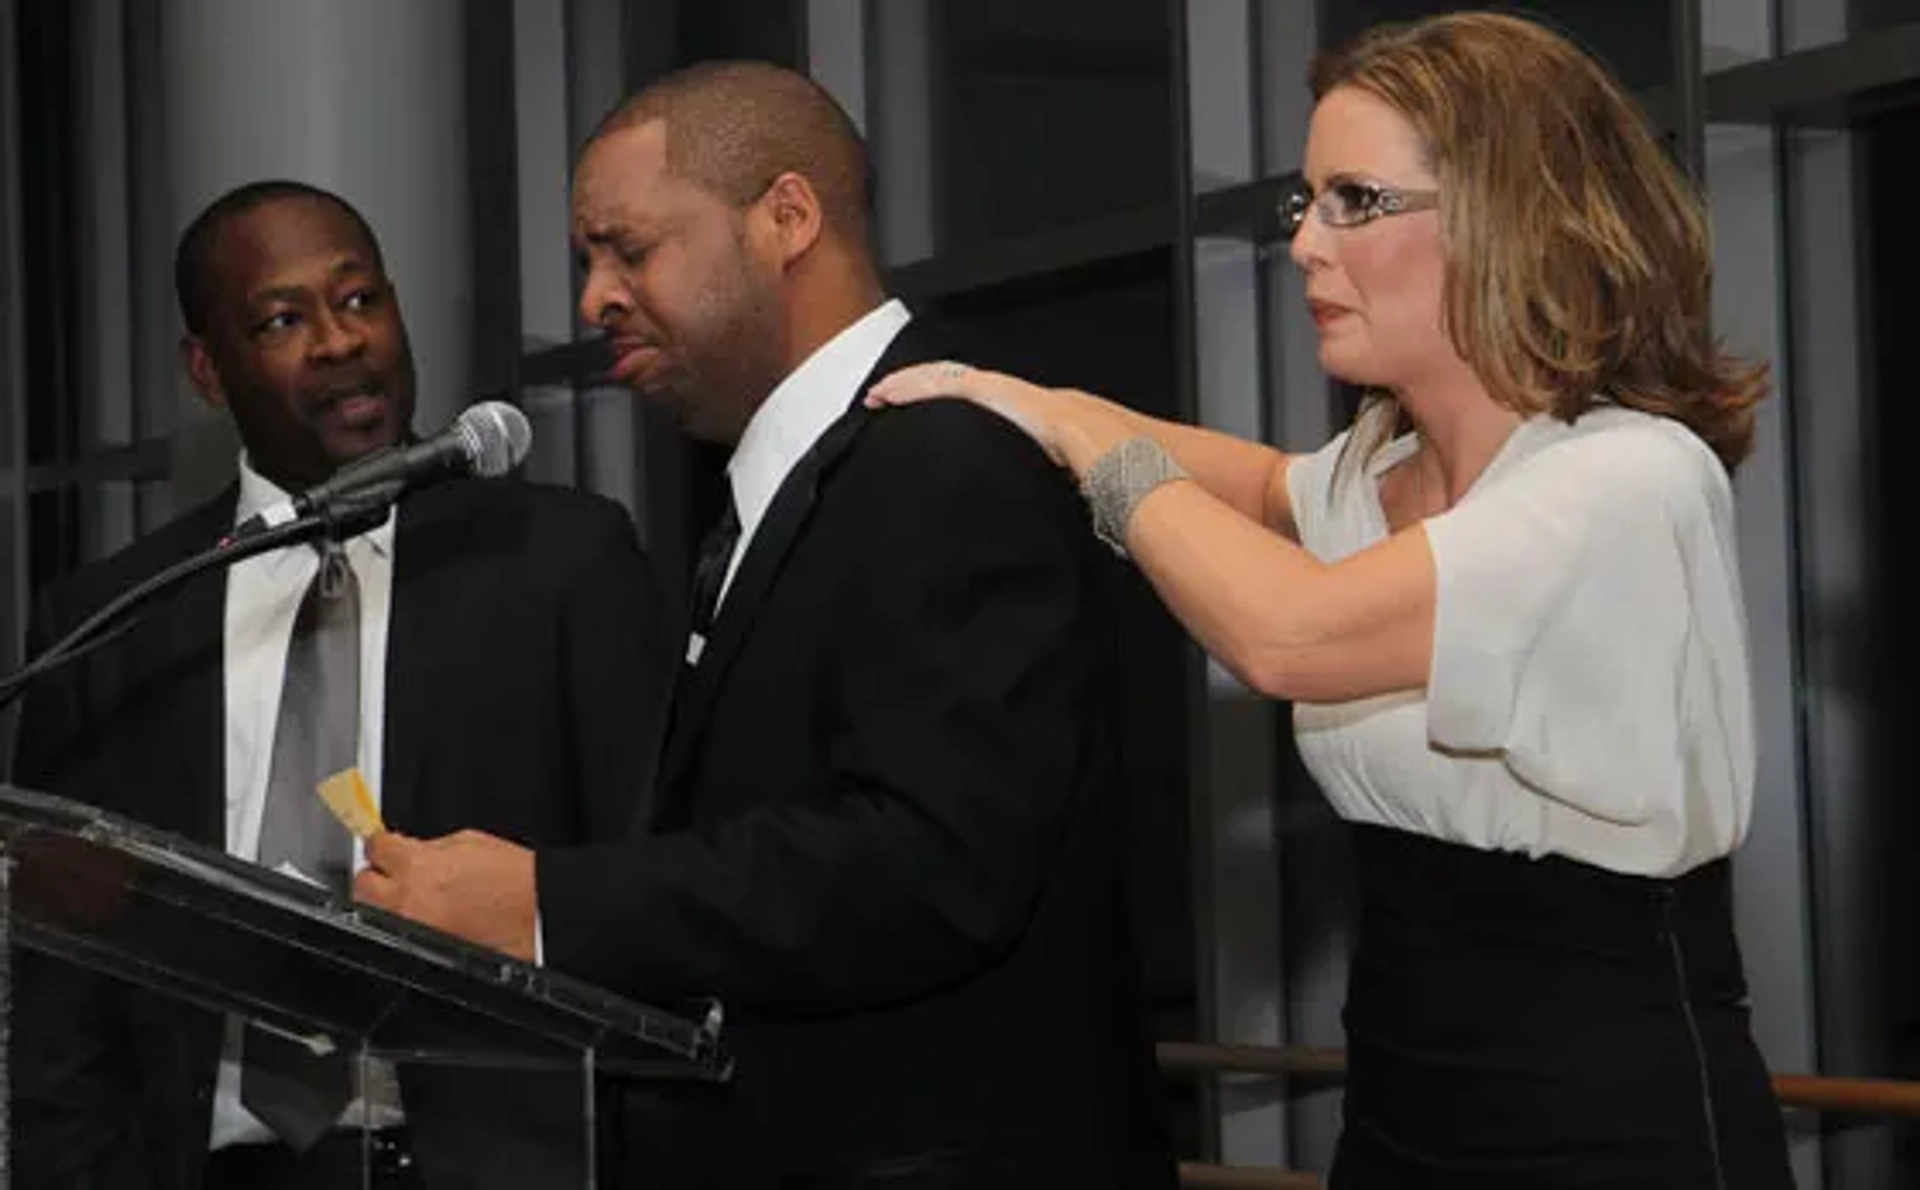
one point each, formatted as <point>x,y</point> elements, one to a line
<point>1421,879</point>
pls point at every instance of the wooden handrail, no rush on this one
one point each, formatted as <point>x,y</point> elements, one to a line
<point>1861,1096</point>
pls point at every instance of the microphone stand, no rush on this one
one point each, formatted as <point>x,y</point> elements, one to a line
<point>91,633</point>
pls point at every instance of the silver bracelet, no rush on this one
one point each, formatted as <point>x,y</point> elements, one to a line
<point>1118,480</point>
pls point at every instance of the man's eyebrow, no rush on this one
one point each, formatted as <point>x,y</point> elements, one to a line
<point>350,266</point>
<point>626,226</point>
<point>276,293</point>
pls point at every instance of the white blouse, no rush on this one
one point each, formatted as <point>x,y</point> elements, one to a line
<point>1589,694</point>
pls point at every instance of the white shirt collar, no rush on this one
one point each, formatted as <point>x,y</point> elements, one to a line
<point>258,493</point>
<point>801,407</point>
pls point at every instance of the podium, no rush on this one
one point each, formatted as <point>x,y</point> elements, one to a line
<point>195,925</point>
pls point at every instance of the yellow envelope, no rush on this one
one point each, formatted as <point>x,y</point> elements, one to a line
<point>346,794</point>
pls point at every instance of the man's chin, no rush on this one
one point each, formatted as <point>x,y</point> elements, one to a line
<point>710,426</point>
<point>687,414</point>
<point>703,429</point>
<point>351,445</point>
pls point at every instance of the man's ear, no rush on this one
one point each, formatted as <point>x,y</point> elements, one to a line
<point>198,363</point>
<point>793,210</point>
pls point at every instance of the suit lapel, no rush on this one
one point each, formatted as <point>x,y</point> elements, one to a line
<point>192,661</point>
<point>772,541</point>
<point>202,694</point>
<point>431,538</point>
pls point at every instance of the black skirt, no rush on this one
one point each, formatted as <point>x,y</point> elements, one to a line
<point>1547,1024</point>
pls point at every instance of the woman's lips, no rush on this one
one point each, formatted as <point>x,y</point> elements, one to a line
<point>1326,312</point>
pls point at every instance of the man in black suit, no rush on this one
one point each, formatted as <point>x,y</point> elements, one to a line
<point>886,827</point>
<point>507,680</point>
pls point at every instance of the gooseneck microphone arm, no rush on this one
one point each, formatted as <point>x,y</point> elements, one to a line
<point>487,440</point>
<point>92,632</point>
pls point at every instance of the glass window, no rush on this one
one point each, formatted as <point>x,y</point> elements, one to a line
<point>1040,115</point>
<point>1848,301</point>
<point>1869,15</point>
<point>1810,24</point>
<point>53,541</point>
<point>46,172</point>
<point>1634,37</point>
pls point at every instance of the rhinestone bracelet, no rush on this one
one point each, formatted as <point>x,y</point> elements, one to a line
<point>1118,480</point>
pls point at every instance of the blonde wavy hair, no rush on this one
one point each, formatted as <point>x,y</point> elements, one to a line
<point>1579,260</point>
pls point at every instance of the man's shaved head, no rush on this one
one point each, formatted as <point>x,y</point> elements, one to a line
<point>733,127</point>
<point>720,222</point>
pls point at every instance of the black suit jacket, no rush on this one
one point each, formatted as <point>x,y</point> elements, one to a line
<point>525,678</point>
<point>886,839</point>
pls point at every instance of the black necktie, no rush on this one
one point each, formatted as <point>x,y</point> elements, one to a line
<point>316,734</point>
<point>710,569</point>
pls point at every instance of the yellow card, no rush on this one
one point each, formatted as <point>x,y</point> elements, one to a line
<point>347,796</point>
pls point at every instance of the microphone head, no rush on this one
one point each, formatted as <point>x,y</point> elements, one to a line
<point>494,436</point>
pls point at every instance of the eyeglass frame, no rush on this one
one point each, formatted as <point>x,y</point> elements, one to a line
<point>1376,201</point>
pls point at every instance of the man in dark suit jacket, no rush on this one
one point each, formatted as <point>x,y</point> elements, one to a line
<point>519,693</point>
<point>885,828</point>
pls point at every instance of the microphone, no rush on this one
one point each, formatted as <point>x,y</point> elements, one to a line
<point>487,440</point>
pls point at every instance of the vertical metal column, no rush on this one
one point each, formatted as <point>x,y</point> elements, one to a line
<point>365,97</point>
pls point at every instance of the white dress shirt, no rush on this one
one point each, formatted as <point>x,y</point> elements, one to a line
<point>792,418</point>
<point>797,412</point>
<point>263,597</point>
<point>1589,695</point>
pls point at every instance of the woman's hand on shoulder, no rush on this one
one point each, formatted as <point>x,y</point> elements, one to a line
<point>1073,427</point>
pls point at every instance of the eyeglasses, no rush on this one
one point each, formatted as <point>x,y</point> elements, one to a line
<point>1348,203</point>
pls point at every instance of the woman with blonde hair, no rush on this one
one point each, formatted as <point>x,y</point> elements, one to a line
<point>1505,605</point>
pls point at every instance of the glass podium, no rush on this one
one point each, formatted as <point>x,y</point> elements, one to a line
<point>195,925</point>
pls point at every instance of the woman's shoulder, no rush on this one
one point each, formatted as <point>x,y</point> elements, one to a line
<point>1627,452</point>
<point>1616,430</point>
<point>1310,472</point>
<point>1337,473</point>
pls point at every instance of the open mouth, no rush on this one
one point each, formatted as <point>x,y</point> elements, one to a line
<point>353,406</point>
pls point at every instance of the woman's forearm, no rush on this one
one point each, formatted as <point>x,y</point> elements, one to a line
<point>1249,476</point>
<point>1283,622</point>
